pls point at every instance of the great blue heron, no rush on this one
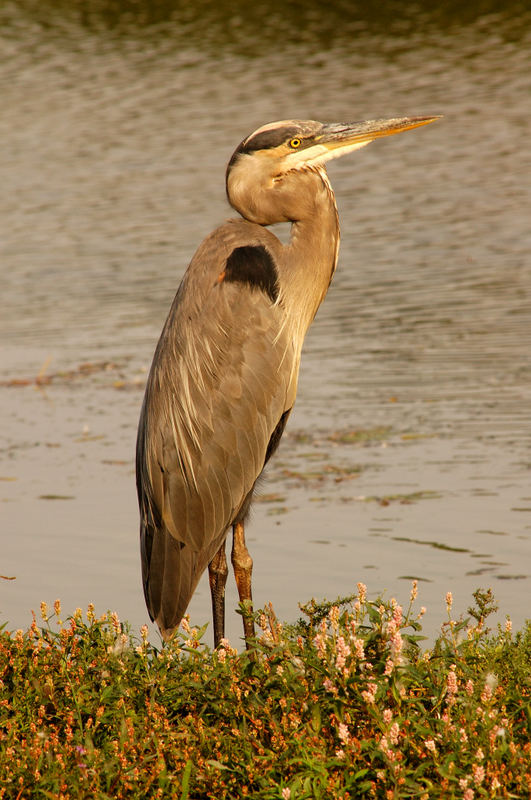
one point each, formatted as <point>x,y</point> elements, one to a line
<point>224,375</point>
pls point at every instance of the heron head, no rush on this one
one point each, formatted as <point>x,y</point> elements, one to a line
<point>279,149</point>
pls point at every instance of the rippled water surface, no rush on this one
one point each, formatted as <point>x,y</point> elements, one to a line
<point>408,454</point>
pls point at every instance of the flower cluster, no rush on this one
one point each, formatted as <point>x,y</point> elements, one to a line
<point>345,705</point>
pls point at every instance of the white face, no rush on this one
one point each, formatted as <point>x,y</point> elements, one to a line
<point>319,154</point>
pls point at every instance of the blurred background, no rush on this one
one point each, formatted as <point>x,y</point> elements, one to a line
<point>408,453</point>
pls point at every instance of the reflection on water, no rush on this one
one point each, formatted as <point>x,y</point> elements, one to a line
<point>247,28</point>
<point>118,120</point>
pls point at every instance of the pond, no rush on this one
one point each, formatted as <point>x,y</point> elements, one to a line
<point>408,453</point>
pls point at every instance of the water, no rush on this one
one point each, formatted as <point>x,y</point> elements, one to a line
<point>117,123</point>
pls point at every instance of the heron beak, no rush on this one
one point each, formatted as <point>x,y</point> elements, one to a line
<point>342,138</point>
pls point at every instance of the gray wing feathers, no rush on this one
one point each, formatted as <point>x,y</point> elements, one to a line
<point>222,377</point>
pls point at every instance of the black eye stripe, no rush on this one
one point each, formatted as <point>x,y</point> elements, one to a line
<point>269,139</point>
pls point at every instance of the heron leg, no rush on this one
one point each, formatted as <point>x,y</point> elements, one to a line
<point>243,567</point>
<point>217,577</point>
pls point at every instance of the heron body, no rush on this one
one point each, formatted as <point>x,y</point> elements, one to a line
<point>224,374</point>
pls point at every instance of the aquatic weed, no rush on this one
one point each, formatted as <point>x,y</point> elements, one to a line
<point>343,704</point>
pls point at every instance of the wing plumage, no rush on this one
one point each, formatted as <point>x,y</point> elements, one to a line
<point>223,378</point>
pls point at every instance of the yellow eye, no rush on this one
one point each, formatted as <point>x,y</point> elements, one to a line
<point>295,143</point>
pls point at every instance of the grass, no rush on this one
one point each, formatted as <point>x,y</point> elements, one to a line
<point>344,704</point>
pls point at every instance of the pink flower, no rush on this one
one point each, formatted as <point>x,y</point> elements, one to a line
<point>358,646</point>
<point>386,750</point>
<point>397,614</point>
<point>343,651</point>
<point>394,635</point>
<point>393,733</point>
<point>478,773</point>
<point>343,733</point>
<point>286,793</point>
<point>389,667</point>
<point>320,641</point>
<point>370,694</point>
<point>396,644</point>
<point>486,694</point>
<point>451,682</point>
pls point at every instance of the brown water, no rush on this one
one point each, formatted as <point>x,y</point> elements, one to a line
<point>115,132</point>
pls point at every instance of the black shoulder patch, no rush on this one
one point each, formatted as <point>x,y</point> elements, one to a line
<point>253,265</point>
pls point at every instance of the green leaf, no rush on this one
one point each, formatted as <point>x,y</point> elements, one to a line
<point>186,780</point>
<point>316,718</point>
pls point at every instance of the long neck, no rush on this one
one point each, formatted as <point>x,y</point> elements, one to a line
<point>310,258</point>
<point>305,198</point>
